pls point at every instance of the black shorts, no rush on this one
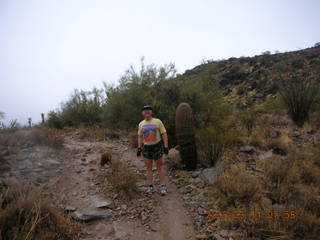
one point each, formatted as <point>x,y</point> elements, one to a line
<point>154,151</point>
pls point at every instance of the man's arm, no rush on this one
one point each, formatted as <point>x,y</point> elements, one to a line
<point>139,150</point>
<point>165,143</point>
<point>140,138</point>
<point>165,139</point>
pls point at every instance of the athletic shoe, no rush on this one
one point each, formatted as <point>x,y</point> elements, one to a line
<point>163,190</point>
<point>150,189</point>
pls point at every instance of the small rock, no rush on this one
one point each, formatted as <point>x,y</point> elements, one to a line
<point>104,204</point>
<point>104,231</point>
<point>4,153</point>
<point>279,151</point>
<point>198,182</point>
<point>223,233</point>
<point>195,174</point>
<point>274,134</point>
<point>266,155</point>
<point>201,236</point>
<point>185,190</point>
<point>124,207</point>
<point>218,237</point>
<point>311,132</point>
<point>317,141</point>
<point>247,149</point>
<point>210,174</point>
<point>69,209</point>
<point>87,215</point>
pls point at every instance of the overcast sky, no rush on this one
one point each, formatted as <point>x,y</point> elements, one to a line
<point>50,47</point>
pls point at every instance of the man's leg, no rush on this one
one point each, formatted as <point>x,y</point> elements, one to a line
<point>161,170</point>
<point>148,163</point>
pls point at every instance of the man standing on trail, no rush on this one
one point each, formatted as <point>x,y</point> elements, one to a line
<point>152,143</point>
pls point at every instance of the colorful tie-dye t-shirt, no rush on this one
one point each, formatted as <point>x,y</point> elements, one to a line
<point>151,131</point>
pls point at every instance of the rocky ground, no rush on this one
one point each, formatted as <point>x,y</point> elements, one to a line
<point>75,181</point>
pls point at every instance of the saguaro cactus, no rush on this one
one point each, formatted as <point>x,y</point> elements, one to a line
<point>30,122</point>
<point>42,118</point>
<point>185,135</point>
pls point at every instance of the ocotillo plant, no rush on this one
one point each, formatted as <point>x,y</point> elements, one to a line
<point>185,135</point>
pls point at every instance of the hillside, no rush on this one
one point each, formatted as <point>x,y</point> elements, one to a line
<point>249,80</point>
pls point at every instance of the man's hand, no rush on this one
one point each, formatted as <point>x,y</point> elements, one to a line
<point>139,151</point>
<point>166,150</point>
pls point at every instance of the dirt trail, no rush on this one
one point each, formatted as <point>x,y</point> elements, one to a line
<point>80,186</point>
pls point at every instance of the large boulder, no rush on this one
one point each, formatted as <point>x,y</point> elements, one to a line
<point>174,159</point>
<point>87,215</point>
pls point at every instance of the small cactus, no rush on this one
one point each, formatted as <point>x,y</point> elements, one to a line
<point>185,135</point>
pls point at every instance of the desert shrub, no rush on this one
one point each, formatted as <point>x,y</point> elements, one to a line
<point>26,215</point>
<point>314,120</point>
<point>83,107</point>
<point>213,143</point>
<point>236,188</point>
<point>248,118</point>
<point>46,136</point>
<point>287,183</point>
<point>123,180</point>
<point>216,132</point>
<point>299,97</point>
<point>273,103</point>
<point>235,75</point>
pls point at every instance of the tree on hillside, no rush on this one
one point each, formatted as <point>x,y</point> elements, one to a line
<point>137,87</point>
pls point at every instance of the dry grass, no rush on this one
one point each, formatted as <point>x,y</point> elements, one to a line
<point>133,139</point>
<point>287,183</point>
<point>236,188</point>
<point>314,120</point>
<point>26,215</point>
<point>95,132</point>
<point>47,136</point>
<point>123,180</point>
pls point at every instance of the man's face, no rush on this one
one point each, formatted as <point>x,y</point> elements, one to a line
<point>147,113</point>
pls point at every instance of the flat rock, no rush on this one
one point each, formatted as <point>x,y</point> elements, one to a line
<point>69,209</point>
<point>104,231</point>
<point>209,175</point>
<point>266,155</point>
<point>87,215</point>
<point>104,204</point>
<point>218,237</point>
<point>247,149</point>
<point>223,233</point>
<point>201,236</point>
